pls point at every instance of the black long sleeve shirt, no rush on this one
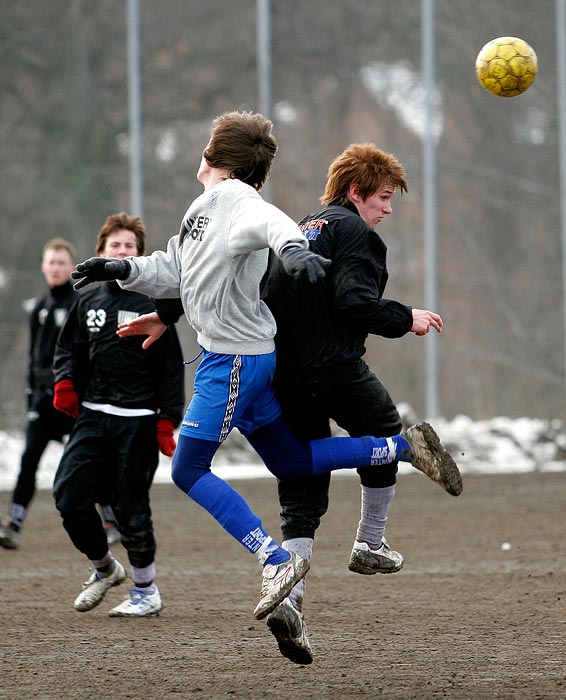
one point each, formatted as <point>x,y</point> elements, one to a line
<point>46,320</point>
<point>325,324</point>
<point>105,368</point>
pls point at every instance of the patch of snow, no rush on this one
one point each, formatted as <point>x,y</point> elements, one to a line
<point>499,445</point>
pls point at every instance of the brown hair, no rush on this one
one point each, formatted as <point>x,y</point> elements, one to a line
<point>366,166</point>
<point>117,222</point>
<point>60,244</point>
<point>242,143</point>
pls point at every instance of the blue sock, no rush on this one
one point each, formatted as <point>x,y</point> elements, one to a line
<point>229,509</point>
<point>278,557</point>
<point>288,458</point>
<point>335,453</point>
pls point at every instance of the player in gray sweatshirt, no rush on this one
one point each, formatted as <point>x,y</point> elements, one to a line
<point>214,265</point>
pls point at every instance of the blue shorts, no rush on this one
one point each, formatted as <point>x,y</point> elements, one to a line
<point>231,391</point>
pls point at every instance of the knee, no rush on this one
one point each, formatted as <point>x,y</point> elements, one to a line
<point>178,474</point>
<point>191,461</point>
<point>304,496</point>
<point>186,476</point>
<point>69,501</point>
<point>59,494</point>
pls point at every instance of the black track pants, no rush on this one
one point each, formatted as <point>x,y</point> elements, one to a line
<point>117,456</point>
<point>358,402</point>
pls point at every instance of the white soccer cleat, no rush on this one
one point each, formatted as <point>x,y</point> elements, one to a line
<point>277,582</point>
<point>288,627</point>
<point>429,457</point>
<point>95,588</point>
<point>138,604</point>
<point>383,560</point>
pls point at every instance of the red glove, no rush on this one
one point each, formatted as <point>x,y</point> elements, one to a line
<point>66,398</point>
<point>165,437</point>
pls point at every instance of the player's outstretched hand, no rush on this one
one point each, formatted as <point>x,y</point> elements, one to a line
<point>299,261</point>
<point>100,270</point>
<point>146,324</point>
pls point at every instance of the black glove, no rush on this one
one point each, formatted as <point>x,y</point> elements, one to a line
<point>100,270</point>
<point>299,261</point>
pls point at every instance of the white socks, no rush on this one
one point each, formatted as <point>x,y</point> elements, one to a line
<point>374,508</point>
<point>143,578</point>
<point>17,514</point>
<point>303,547</point>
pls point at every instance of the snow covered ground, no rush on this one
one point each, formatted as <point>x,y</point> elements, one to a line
<point>492,446</point>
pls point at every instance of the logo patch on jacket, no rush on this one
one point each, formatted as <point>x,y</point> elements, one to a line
<point>126,316</point>
<point>313,228</point>
<point>59,316</point>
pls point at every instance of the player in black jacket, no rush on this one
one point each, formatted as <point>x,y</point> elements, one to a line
<point>128,401</point>
<point>320,375</point>
<point>45,423</point>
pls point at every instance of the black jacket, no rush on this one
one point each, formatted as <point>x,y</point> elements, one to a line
<point>46,320</point>
<point>327,323</point>
<point>107,369</point>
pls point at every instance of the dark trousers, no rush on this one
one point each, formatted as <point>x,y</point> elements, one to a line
<point>358,402</point>
<point>118,456</point>
<point>45,423</point>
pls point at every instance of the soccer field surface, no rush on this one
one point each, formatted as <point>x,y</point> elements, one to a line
<point>467,618</point>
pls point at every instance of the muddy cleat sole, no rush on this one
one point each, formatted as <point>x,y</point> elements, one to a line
<point>139,604</point>
<point>277,582</point>
<point>429,457</point>
<point>95,588</point>
<point>288,627</point>
<point>382,560</point>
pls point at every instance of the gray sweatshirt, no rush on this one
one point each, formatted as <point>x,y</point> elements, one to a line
<point>215,265</point>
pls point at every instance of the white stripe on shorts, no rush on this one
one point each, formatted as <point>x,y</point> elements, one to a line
<point>232,397</point>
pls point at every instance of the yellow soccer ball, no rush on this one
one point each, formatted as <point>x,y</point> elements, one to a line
<point>506,66</point>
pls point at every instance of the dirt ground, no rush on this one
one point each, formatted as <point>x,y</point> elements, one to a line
<point>465,619</point>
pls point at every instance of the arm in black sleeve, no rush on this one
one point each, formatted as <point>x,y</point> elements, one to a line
<point>358,280</point>
<point>71,356</point>
<point>33,327</point>
<point>168,310</point>
<point>358,285</point>
<point>385,317</point>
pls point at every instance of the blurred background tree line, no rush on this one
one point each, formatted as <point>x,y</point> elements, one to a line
<point>343,71</point>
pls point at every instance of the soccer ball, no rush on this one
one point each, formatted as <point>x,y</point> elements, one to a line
<point>506,66</point>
